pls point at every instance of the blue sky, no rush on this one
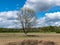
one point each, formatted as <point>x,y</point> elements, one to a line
<point>48,12</point>
<point>7,5</point>
<point>51,10</point>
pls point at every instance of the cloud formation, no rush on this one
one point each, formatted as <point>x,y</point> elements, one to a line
<point>49,19</point>
<point>41,5</point>
<point>8,19</point>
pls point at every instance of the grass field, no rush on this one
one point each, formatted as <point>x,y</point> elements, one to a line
<point>16,37</point>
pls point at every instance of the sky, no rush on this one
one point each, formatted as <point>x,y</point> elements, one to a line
<point>8,5</point>
<point>47,12</point>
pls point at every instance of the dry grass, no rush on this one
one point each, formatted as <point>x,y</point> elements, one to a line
<point>19,37</point>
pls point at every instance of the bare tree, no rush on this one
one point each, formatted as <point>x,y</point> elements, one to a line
<point>27,17</point>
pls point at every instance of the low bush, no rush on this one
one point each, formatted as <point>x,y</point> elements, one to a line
<point>32,42</point>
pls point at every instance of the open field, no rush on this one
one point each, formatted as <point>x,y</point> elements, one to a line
<point>17,37</point>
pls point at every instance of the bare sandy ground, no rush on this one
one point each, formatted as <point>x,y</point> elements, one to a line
<point>17,37</point>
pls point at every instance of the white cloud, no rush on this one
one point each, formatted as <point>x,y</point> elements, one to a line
<point>49,19</point>
<point>55,15</point>
<point>57,2</point>
<point>8,19</point>
<point>9,14</point>
<point>41,5</point>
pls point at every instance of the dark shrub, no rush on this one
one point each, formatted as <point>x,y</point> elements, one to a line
<point>32,42</point>
<point>48,43</point>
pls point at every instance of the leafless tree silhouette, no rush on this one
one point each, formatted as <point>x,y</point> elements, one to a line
<point>27,18</point>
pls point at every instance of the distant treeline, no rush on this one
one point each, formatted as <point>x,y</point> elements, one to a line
<point>40,29</point>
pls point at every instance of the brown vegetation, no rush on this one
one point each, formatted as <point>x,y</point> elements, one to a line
<point>32,42</point>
